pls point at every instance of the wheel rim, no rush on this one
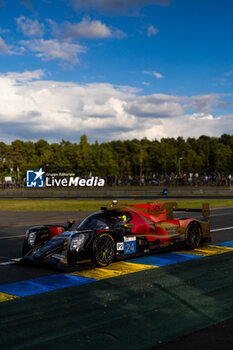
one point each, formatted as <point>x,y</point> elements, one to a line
<point>104,250</point>
<point>195,236</point>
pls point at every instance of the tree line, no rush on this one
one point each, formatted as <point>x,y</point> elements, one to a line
<point>119,158</point>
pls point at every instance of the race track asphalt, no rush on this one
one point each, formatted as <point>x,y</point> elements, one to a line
<point>13,225</point>
<point>12,229</point>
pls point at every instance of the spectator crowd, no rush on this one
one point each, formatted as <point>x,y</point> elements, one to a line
<point>189,179</point>
<point>173,179</point>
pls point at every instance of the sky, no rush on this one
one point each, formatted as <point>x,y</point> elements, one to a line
<point>115,70</point>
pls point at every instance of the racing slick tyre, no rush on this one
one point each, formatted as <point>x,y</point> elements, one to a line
<point>193,238</point>
<point>103,249</point>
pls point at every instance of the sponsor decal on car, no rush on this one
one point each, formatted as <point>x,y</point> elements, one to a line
<point>120,246</point>
<point>129,245</point>
<point>129,239</point>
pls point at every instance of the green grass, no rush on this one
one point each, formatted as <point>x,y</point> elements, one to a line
<point>73,205</point>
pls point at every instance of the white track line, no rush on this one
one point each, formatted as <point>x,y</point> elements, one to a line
<point>201,217</point>
<point>221,208</point>
<point>6,237</point>
<point>8,263</point>
<point>213,215</point>
<point>222,229</point>
<point>12,261</point>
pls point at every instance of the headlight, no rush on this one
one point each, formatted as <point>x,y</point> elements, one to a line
<point>31,238</point>
<point>77,241</point>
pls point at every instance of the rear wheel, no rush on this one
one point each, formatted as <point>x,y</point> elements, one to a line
<point>103,249</point>
<point>193,238</point>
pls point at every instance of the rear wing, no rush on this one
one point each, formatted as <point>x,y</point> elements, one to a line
<point>205,210</point>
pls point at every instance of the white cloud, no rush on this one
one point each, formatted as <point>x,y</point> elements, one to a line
<point>184,125</point>
<point>155,74</point>
<point>152,31</point>
<point>204,103</point>
<point>158,75</point>
<point>4,48</point>
<point>55,27</point>
<point>155,106</point>
<point>30,27</point>
<point>54,49</point>
<point>31,108</point>
<point>88,29</point>
<point>25,76</point>
<point>91,30</point>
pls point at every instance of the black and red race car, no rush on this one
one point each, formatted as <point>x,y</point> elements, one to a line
<point>116,232</point>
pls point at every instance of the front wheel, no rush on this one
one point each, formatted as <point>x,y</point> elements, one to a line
<point>193,238</point>
<point>103,250</point>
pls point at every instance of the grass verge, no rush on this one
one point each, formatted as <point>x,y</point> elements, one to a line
<point>73,205</point>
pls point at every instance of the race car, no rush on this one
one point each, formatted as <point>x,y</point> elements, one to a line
<point>114,233</point>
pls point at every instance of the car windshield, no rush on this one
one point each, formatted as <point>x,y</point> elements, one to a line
<point>105,221</point>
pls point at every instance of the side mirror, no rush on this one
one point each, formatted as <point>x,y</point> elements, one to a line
<point>70,223</point>
<point>128,225</point>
